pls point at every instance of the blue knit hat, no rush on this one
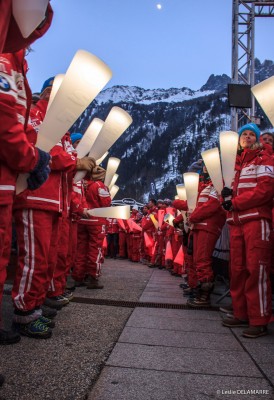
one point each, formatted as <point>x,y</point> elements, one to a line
<point>251,127</point>
<point>47,84</point>
<point>75,136</point>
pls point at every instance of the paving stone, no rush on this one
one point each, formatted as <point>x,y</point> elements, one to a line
<point>136,384</point>
<point>160,358</point>
<point>186,325</point>
<point>163,299</point>
<point>176,313</point>
<point>156,337</point>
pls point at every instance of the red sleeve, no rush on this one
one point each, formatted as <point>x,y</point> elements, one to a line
<point>148,225</point>
<point>180,205</point>
<point>61,160</point>
<point>5,15</point>
<point>178,219</point>
<point>209,208</point>
<point>263,192</point>
<point>15,149</point>
<point>104,196</point>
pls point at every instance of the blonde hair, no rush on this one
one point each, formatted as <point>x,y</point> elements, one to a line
<point>254,146</point>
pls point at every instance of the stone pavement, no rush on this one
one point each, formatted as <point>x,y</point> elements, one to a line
<point>107,346</point>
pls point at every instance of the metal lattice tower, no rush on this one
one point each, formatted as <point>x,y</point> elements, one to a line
<point>243,33</point>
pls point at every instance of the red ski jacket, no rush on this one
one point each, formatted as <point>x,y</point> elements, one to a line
<point>16,153</point>
<point>97,195</point>
<point>253,187</point>
<point>55,193</point>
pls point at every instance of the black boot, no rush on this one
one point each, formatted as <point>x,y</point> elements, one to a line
<point>203,297</point>
<point>2,379</point>
<point>9,337</point>
<point>93,283</point>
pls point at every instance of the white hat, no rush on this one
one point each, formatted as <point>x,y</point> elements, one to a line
<point>135,207</point>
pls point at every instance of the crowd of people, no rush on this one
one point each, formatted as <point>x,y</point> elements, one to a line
<point>60,246</point>
<point>166,235</point>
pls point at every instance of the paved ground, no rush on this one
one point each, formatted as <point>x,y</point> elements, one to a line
<point>107,347</point>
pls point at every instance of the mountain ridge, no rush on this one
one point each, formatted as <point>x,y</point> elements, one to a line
<point>170,129</point>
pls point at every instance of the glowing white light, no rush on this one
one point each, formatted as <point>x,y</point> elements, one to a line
<point>159,6</point>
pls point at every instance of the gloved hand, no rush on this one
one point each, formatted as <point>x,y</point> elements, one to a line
<point>226,192</point>
<point>227,205</point>
<point>85,164</point>
<point>176,224</point>
<point>35,180</point>
<point>41,171</point>
<point>85,213</point>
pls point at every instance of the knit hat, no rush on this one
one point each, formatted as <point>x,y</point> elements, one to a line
<point>135,207</point>
<point>35,97</point>
<point>251,127</point>
<point>98,174</point>
<point>47,84</point>
<point>167,202</point>
<point>75,136</point>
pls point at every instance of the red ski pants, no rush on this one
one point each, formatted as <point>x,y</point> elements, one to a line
<point>204,243</point>
<point>89,252</point>
<point>5,244</point>
<point>37,236</point>
<point>250,250</point>
<point>122,244</point>
<point>58,281</point>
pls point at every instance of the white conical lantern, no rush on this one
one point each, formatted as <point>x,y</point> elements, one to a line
<point>100,160</point>
<point>58,79</point>
<point>212,162</point>
<point>119,212</point>
<point>191,180</point>
<point>181,191</point>
<point>228,147</point>
<point>29,14</point>
<point>86,144</point>
<point>113,191</point>
<point>168,219</point>
<point>89,137</point>
<point>264,94</point>
<point>84,79</point>
<point>115,124</point>
<point>112,166</point>
<point>113,181</point>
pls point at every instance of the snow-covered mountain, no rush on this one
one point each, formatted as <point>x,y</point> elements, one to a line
<point>170,129</point>
<point>137,95</point>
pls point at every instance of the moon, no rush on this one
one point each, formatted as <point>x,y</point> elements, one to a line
<point>159,6</point>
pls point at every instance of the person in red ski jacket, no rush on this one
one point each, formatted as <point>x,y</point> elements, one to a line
<point>249,215</point>
<point>208,219</point>
<point>78,210</point>
<point>112,230</point>
<point>135,235</point>
<point>17,154</point>
<point>91,233</point>
<point>268,139</point>
<point>149,229</point>
<point>38,216</point>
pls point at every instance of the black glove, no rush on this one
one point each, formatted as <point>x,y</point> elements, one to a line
<point>40,172</point>
<point>176,224</point>
<point>226,192</point>
<point>227,205</point>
